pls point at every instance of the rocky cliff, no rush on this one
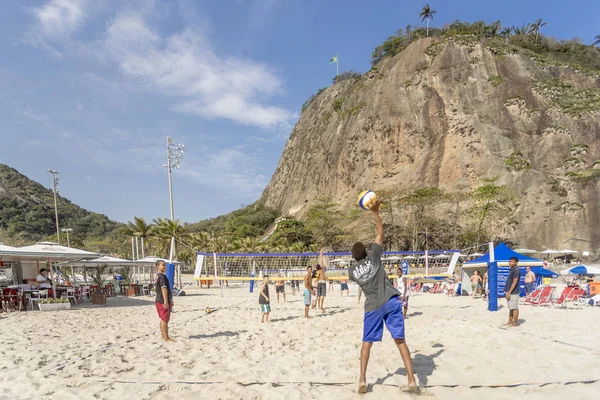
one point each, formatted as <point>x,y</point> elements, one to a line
<point>451,113</point>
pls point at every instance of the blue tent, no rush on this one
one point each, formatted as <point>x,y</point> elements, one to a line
<point>502,253</point>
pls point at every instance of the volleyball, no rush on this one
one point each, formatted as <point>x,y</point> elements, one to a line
<point>207,310</point>
<point>366,199</point>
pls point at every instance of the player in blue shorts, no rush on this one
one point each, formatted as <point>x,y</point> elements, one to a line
<point>382,304</point>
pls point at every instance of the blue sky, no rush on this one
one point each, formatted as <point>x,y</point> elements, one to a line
<point>89,87</point>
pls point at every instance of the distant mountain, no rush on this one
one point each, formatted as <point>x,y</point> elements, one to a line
<point>27,215</point>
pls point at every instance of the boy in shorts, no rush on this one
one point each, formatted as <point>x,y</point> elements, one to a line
<point>382,304</point>
<point>280,287</point>
<point>264,301</point>
<point>308,290</point>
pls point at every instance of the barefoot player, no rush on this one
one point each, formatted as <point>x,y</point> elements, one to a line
<point>382,303</point>
<point>308,290</point>
<point>164,299</point>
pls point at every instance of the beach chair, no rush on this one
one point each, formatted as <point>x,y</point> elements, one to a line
<point>533,296</point>
<point>145,291</point>
<point>574,297</point>
<point>544,298</point>
<point>560,300</point>
<point>41,294</point>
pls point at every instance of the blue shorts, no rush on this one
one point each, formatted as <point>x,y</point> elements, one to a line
<point>344,286</point>
<point>391,314</point>
<point>307,295</point>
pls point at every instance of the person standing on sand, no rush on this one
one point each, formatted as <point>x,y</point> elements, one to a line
<point>512,292</point>
<point>382,304</point>
<point>264,301</point>
<point>321,287</point>
<point>475,279</point>
<point>344,287</point>
<point>529,280</point>
<point>308,290</point>
<point>164,299</point>
<point>280,288</point>
<point>402,286</point>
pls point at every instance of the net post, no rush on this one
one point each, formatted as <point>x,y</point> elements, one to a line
<point>492,280</point>
<point>171,274</point>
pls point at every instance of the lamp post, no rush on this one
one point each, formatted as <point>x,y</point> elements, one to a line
<point>67,230</point>
<point>55,180</point>
<point>174,157</point>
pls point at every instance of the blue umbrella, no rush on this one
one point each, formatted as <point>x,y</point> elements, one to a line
<point>581,270</point>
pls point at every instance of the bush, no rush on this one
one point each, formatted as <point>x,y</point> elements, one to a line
<point>347,75</point>
<point>311,98</point>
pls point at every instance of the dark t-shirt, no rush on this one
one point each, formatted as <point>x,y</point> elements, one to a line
<point>514,273</point>
<point>372,277</point>
<point>162,282</point>
<point>261,298</point>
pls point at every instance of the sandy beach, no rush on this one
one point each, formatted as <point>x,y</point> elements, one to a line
<point>115,351</point>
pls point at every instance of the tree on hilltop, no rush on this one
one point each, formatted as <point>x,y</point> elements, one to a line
<point>427,14</point>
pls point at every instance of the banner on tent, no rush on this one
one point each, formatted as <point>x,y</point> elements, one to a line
<point>199,264</point>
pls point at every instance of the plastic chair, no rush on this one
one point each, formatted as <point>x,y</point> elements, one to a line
<point>70,294</point>
<point>145,290</point>
<point>41,294</point>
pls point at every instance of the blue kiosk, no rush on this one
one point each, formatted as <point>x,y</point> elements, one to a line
<point>499,264</point>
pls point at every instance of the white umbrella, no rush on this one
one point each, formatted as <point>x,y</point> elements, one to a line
<point>104,260</point>
<point>581,270</point>
<point>410,258</point>
<point>151,260</point>
<point>525,251</point>
<point>550,251</point>
<point>567,251</point>
<point>338,260</point>
<point>442,256</point>
<point>393,258</point>
<point>49,251</point>
<point>475,255</point>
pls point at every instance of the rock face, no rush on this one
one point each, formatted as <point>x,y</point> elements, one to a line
<point>448,114</point>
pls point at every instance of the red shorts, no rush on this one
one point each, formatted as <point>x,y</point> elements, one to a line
<point>163,313</point>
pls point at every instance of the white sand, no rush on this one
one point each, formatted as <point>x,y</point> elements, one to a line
<point>454,341</point>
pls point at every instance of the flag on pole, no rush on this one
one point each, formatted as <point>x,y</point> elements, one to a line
<point>333,60</point>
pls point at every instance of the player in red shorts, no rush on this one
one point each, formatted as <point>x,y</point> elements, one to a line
<point>164,299</point>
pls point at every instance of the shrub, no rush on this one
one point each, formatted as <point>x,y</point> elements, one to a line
<point>495,80</point>
<point>517,162</point>
<point>346,75</point>
<point>311,98</point>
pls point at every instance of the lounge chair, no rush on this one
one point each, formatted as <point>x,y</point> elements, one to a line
<point>545,297</point>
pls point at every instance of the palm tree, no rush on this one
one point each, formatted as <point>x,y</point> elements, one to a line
<point>536,26</point>
<point>506,33</point>
<point>165,229</point>
<point>494,28</point>
<point>249,245</point>
<point>138,228</point>
<point>523,30</point>
<point>200,241</point>
<point>596,40</point>
<point>427,14</point>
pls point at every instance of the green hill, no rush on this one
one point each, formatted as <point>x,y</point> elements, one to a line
<point>27,216</point>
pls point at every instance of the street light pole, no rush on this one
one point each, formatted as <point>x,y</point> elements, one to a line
<point>174,157</point>
<point>55,180</point>
<point>67,230</point>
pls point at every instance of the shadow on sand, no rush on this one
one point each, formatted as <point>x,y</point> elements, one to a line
<point>217,334</point>
<point>423,366</point>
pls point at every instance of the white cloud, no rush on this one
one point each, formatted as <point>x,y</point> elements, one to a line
<point>34,142</point>
<point>56,20</point>
<point>185,67</point>
<point>230,170</point>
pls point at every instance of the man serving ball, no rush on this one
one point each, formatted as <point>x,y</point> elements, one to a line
<point>382,302</point>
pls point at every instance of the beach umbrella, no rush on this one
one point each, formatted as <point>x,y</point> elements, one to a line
<point>442,256</point>
<point>476,255</point>
<point>49,251</point>
<point>567,251</point>
<point>550,251</point>
<point>581,270</point>
<point>525,251</point>
<point>410,258</point>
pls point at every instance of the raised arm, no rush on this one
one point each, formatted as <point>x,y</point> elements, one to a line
<point>378,223</point>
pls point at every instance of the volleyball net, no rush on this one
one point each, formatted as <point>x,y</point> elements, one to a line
<point>292,266</point>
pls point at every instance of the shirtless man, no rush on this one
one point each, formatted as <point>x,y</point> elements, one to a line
<point>321,287</point>
<point>280,287</point>
<point>308,290</point>
<point>475,280</point>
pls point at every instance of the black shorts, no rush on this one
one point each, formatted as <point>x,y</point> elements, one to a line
<point>279,289</point>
